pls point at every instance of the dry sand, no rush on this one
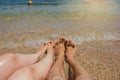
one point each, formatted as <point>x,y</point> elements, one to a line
<point>100,58</point>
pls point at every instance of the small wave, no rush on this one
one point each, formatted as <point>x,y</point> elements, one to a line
<point>35,43</point>
<point>9,44</point>
<point>93,37</point>
<point>77,39</point>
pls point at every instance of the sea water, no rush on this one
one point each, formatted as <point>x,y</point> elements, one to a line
<point>59,8</point>
<point>87,20</point>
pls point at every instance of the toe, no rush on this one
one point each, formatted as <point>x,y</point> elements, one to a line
<point>43,47</point>
<point>72,43</point>
<point>51,44</point>
<point>50,47</point>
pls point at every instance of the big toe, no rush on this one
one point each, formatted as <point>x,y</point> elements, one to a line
<point>50,47</point>
<point>72,43</point>
<point>42,47</point>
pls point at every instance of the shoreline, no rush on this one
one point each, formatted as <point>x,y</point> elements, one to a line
<point>93,25</point>
<point>99,58</point>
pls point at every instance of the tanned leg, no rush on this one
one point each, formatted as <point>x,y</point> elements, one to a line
<point>57,70</point>
<point>77,72</point>
<point>71,75</point>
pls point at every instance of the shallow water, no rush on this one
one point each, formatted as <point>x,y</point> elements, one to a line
<point>60,8</point>
<point>79,20</point>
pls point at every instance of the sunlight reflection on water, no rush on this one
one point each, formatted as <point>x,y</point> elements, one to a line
<point>75,10</point>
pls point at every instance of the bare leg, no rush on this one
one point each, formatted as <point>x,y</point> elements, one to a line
<point>37,71</point>
<point>57,71</point>
<point>41,69</point>
<point>77,72</point>
<point>10,62</point>
<point>71,74</point>
<point>28,59</point>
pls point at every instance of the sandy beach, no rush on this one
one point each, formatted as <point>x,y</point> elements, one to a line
<point>94,25</point>
<point>98,53</point>
<point>100,58</point>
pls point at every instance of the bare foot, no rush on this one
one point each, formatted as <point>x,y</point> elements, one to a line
<point>42,49</point>
<point>76,72</point>
<point>59,48</point>
<point>70,50</point>
<point>37,71</point>
<point>57,70</point>
<point>50,48</point>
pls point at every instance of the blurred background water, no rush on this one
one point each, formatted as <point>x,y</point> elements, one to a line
<point>60,8</point>
<point>87,20</point>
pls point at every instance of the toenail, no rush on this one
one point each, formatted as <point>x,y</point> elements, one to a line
<point>50,42</point>
<point>44,44</point>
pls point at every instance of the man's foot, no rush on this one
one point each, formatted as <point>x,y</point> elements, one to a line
<point>70,50</point>
<point>59,48</point>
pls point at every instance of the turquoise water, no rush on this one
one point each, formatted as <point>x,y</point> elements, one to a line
<point>59,8</point>
<point>78,20</point>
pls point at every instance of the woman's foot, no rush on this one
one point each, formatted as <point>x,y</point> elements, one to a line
<point>42,49</point>
<point>50,48</point>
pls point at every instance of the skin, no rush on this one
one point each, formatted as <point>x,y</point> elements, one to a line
<point>10,62</point>
<point>76,72</point>
<point>38,71</point>
<point>57,71</point>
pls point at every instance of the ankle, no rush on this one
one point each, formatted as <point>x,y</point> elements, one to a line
<point>60,58</point>
<point>70,59</point>
<point>57,78</point>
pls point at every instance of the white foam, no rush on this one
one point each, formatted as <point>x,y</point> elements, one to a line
<point>55,35</point>
<point>35,43</point>
<point>78,39</point>
<point>9,44</point>
<point>94,37</point>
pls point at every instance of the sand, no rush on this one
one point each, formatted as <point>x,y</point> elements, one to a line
<point>98,41</point>
<point>93,25</point>
<point>100,58</point>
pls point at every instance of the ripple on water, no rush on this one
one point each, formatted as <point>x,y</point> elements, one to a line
<point>35,43</point>
<point>94,37</point>
<point>78,39</point>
